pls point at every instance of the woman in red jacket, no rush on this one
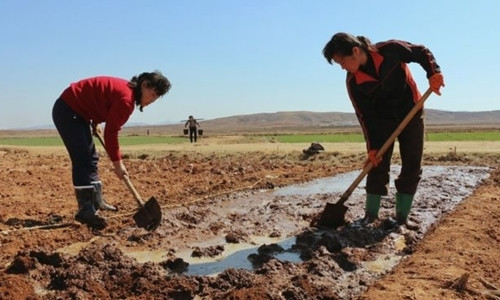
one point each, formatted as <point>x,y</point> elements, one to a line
<point>382,91</point>
<point>87,103</point>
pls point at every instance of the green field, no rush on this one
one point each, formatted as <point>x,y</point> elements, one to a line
<point>354,137</point>
<point>284,138</point>
<point>56,141</point>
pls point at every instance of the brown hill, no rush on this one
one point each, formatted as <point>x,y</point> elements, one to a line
<point>293,121</point>
<point>320,121</point>
<point>306,121</point>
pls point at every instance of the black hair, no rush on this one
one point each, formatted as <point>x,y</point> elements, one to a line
<point>342,43</point>
<point>153,80</point>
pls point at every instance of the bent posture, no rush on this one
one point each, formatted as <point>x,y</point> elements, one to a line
<point>85,104</point>
<point>382,91</point>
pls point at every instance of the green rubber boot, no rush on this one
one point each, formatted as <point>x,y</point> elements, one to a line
<point>403,207</point>
<point>372,206</point>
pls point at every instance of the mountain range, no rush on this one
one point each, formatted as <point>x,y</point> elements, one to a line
<point>316,121</point>
<point>311,119</point>
<point>319,121</point>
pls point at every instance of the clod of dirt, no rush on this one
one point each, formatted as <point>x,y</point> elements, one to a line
<point>27,260</point>
<point>270,249</point>
<point>236,237</point>
<point>265,254</point>
<point>177,265</point>
<point>208,251</point>
<point>143,156</point>
<point>22,264</point>
<point>258,260</point>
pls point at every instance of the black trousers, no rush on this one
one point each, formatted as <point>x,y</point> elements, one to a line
<point>193,134</point>
<point>411,147</point>
<point>77,137</point>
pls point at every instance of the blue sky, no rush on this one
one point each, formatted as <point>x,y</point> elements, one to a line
<point>233,57</point>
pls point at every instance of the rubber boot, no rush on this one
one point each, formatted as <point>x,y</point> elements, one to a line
<point>403,207</point>
<point>99,202</point>
<point>86,214</point>
<point>372,206</point>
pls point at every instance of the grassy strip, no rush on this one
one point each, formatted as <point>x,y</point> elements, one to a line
<point>320,138</point>
<point>353,137</point>
<point>285,138</point>
<point>125,141</point>
<point>464,136</point>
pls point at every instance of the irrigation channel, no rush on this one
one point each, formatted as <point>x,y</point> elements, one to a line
<point>267,233</point>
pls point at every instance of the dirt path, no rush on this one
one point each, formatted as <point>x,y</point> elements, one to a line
<point>198,192</point>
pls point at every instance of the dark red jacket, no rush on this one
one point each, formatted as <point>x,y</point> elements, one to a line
<point>103,99</point>
<point>384,90</point>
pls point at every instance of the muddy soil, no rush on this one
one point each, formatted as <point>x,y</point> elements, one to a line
<point>230,208</point>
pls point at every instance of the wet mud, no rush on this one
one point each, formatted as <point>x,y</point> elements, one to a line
<point>255,244</point>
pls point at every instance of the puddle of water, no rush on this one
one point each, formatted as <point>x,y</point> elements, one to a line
<point>234,255</point>
<point>382,264</point>
<point>238,259</point>
<point>75,248</point>
<point>335,184</point>
<point>468,177</point>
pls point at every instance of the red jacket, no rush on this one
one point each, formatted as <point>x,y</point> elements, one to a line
<point>103,99</point>
<point>384,90</point>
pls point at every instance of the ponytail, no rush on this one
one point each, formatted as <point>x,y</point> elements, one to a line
<point>154,80</point>
<point>342,43</point>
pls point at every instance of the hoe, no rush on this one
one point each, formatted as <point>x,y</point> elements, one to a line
<point>333,214</point>
<point>149,214</point>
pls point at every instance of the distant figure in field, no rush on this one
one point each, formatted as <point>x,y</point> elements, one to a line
<point>193,124</point>
<point>77,114</point>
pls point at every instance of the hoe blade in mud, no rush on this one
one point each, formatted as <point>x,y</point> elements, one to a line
<point>333,215</point>
<point>149,215</point>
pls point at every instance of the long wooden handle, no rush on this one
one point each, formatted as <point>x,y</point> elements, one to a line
<point>418,106</point>
<point>133,190</point>
<point>129,184</point>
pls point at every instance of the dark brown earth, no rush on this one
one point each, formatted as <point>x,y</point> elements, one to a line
<point>46,255</point>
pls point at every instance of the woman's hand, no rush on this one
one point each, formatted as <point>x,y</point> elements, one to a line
<point>372,157</point>
<point>436,82</point>
<point>96,129</point>
<point>120,169</point>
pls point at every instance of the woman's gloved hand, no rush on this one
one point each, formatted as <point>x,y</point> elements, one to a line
<point>436,82</point>
<point>372,157</point>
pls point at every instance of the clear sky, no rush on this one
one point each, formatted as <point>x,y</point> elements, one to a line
<point>233,57</point>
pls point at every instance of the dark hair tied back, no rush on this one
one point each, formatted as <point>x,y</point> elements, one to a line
<point>154,80</point>
<point>342,43</point>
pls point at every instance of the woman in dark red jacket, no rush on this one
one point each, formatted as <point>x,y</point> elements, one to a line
<point>382,91</point>
<point>87,103</point>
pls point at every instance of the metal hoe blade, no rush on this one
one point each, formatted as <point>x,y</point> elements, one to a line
<point>333,215</point>
<point>149,215</point>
